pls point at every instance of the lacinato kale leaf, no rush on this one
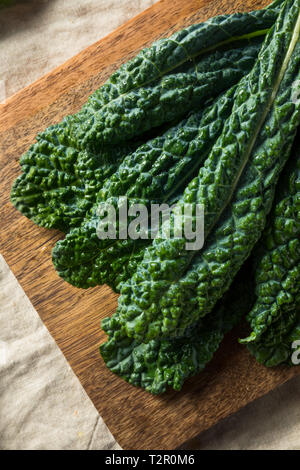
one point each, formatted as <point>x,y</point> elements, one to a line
<point>161,363</point>
<point>56,198</point>
<point>154,173</point>
<point>274,317</point>
<point>206,117</point>
<point>173,287</point>
<point>59,183</point>
<point>275,346</point>
<point>163,82</point>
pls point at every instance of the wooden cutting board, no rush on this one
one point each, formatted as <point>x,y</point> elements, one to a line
<point>136,419</point>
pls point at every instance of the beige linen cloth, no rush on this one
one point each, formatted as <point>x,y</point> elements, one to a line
<point>42,404</point>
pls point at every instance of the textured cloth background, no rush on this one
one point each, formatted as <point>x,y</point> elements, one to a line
<point>42,403</point>
<point>38,35</point>
<point>35,37</point>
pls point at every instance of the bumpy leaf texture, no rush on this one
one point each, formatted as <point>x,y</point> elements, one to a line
<point>276,344</point>
<point>163,82</point>
<point>173,287</point>
<point>154,173</point>
<point>275,316</point>
<point>161,363</point>
<point>60,181</point>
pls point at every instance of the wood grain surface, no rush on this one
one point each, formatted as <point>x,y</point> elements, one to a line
<point>136,419</point>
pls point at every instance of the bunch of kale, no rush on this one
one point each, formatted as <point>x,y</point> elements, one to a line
<point>208,116</point>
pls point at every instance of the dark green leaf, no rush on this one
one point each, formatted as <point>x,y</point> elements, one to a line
<point>172,287</point>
